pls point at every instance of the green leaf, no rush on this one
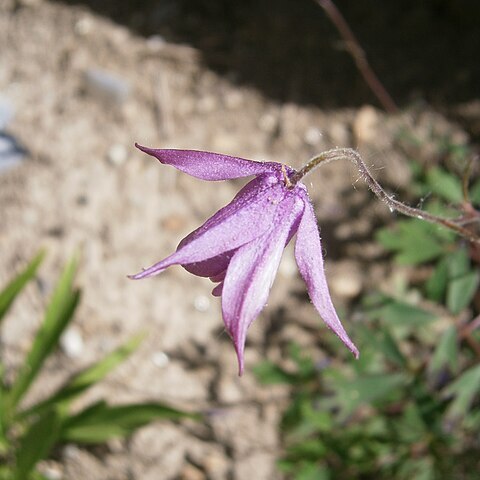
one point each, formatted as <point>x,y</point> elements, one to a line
<point>86,378</point>
<point>464,389</point>
<point>268,373</point>
<point>414,241</point>
<point>437,283</point>
<point>458,263</point>
<point>351,393</point>
<point>445,185</point>
<point>461,291</point>
<point>10,292</point>
<point>101,422</point>
<point>312,471</point>
<point>389,348</point>
<point>446,353</point>
<point>36,444</point>
<point>59,313</point>
<point>475,193</point>
<point>400,313</point>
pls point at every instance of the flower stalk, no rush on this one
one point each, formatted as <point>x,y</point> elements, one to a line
<point>393,204</point>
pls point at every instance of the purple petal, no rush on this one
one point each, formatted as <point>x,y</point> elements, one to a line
<point>250,275</point>
<point>208,165</point>
<point>247,217</point>
<point>308,253</point>
<point>218,290</point>
<point>211,267</point>
<point>214,266</point>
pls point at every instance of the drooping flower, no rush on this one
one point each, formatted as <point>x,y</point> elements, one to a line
<point>240,247</point>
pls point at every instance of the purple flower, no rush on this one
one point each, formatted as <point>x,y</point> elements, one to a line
<point>240,247</point>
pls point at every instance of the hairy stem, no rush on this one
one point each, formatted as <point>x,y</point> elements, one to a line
<point>354,156</point>
<point>359,56</point>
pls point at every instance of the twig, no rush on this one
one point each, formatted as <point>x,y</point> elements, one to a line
<point>359,56</point>
<point>354,156</point>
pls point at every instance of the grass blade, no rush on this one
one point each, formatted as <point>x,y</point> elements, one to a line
<point>86,378</point>
<point>59,313</point>
<point>36,443</point>
<point>10,292</point>
<point>101,422</point>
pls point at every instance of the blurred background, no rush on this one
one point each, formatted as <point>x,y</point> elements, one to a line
<point>80,82</point>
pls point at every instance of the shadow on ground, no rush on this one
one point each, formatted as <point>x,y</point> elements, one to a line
<point>290,51</point>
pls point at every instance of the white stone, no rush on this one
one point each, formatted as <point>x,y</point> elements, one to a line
<point>71,342</point>
<point>201,303</point>
<point>313,136</point>
<point>160,359</point>
<point>117,154</point>
<point>365,125</point>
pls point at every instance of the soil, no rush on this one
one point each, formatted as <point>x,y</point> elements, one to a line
<point>85,85</point>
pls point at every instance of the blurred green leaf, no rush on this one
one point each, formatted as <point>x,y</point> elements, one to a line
<point>10,292</point>
<point>86,378</point>
<point>460,291</point>
<point>312,471</point>
<point>475,193</point>
<point>464,389</point>
<point>458,263</point>
<point>387,345</point>
<point>59,313</point>
<point>446,353</point>
<point>444,184</point>
<point>400,313</point>
<point>268,373</point>
<point>414,241</point>
<point>418,469</point>
<point>411,427</point>
<point>36,443</point>
<point>437,283</point>
<point>101,422</point>
<point>351,393</point>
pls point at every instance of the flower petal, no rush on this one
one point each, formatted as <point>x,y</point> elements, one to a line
<point>308,253</point>
<point>208,165</point>
<point>250,275</point>
<point>247,217</point>
<point>211,267</point>
<point>217,290</point>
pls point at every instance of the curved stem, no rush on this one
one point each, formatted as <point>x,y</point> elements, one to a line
<point>359,56</point>
<point>354,156</point>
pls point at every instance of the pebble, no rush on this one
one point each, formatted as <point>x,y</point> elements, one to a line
<point>117,154</point>
<point>228,389</point>
<point>365,125</point>
<point>216,465</point>
<point>233,100</point>
<point>345,279</point>
<point>156,42</point>
<point>106,86</point>
<point>190,472</point>
<point>313,136</point>
<point>201,303</point>
<point>71,342</point>
<point>268,122</point>
<point>207,104</point>
<point>160,359</point>
<point>339,134</point>
<point>83,26</point>
<point>51,470</point>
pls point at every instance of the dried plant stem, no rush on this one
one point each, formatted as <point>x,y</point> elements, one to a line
<point>354,156</point>
<point>359,56</point>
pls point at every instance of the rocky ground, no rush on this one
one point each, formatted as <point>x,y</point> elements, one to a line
<point>81,90</point>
